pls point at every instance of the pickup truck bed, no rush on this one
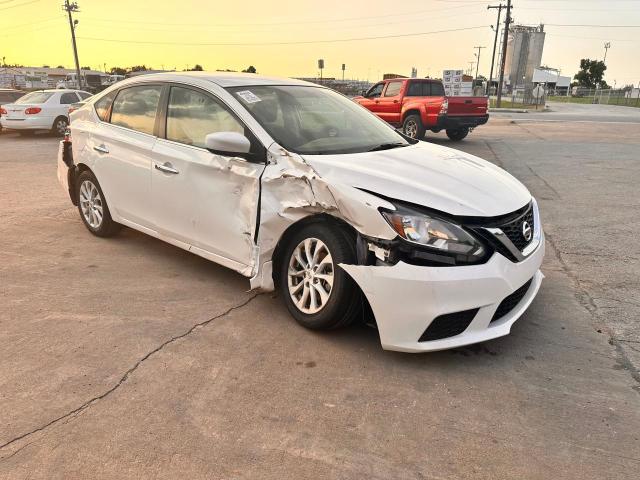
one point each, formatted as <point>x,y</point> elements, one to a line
<point>418,105</point>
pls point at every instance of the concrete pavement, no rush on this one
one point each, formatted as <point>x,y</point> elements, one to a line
<point>129,358</point>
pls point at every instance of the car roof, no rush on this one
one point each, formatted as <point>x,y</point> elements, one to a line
<point>226,79</point>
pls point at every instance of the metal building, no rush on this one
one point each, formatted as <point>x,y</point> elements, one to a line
<point>524,55</point>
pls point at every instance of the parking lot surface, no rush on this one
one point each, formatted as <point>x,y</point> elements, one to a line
<point>130,358</point>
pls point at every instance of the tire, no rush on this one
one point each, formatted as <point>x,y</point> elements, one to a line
<point>343,297</point>
<point>59,126</point>
<point>457,134</point>
<point>413,127</point>
<point>93,208</point>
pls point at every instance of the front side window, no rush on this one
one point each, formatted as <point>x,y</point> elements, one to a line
<point>68,98</point>
<point>316,121</point>
<point>35,97</point>
<point>393,89</point>
<point>375,91</point>
<point>136,107</point>
<point>192,115</point>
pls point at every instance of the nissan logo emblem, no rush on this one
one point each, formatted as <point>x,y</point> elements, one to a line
<point>526,231</point>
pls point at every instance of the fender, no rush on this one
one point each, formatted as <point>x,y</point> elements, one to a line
<point>418,105</point>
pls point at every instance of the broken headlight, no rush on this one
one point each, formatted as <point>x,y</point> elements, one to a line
<point>436,234</point>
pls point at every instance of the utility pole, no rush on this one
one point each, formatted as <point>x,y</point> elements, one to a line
<point>344,67</point>
<point>607,46</point>
<point>73,7</point>
<point>505,38</point>
<point>471,67</point>
<point>478,62</point>
<point>495,42</point>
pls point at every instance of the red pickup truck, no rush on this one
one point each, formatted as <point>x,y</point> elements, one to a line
<point>418,105</point>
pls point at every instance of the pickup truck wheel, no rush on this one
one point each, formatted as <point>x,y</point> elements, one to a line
<point>457,134</point>
<point>93,208</point>
<point>412,127</point>
<point>317,292</point>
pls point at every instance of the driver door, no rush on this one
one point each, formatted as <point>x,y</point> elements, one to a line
<point>201,199</point>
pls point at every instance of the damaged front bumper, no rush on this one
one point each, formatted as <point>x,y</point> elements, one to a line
<point>480,301</point>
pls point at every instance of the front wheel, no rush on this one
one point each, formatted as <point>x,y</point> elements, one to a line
<point>457,134</point>
<point>316,291</point>
<point>412,127</point>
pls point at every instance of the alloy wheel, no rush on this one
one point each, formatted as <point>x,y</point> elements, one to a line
<point>310,275</point>
<point>91,204</point>
<point>411,129</point>
<point>61,127</point>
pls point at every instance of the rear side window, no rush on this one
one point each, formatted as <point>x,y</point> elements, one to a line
<point>68,98</point>
<point>393,89</point>
<point>136,107</point>
<point>103,106</point>
<point>192,115</point>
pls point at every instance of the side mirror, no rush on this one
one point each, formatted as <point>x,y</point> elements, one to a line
<point>363,93</point>
<point>227,143</point>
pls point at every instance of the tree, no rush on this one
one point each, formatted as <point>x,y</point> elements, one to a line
<point>196,68</point>
<point>591,73</point>
<point>60,66</point>
<point>139,68</point>
<point>250,69</point>
<point>118,71</point>
<point>85,68</point>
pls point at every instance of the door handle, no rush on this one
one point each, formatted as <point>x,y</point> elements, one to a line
<point>101,149</point>
<point>395,101</point>
<point>166,168</point>
<point>377,101</point>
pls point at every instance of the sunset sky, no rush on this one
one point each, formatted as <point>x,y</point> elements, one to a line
<point>235,34</point>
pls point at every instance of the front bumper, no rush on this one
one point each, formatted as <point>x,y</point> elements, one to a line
<point>34,122</point>
<point>406,298</point>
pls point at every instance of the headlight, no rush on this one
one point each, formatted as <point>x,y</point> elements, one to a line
<point>434,233</point>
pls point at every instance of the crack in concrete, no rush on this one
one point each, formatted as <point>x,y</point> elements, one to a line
<point>124,378</point>
<point>587,301</point>
<point>582,294</point>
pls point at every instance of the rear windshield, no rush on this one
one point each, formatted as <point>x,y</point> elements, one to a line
<point>35,97</point>
<point>425,89</point>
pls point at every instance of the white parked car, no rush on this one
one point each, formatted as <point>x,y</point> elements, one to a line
<point>41,110</point>
<point>298,188</point>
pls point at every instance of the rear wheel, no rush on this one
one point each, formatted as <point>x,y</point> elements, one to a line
<point>59,126</point>
<point>317,292</point>
<point>457,134</point>
<point>93,206</point>
<point>412,127</point>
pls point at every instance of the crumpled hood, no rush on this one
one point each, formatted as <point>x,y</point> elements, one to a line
<point>429,175</point>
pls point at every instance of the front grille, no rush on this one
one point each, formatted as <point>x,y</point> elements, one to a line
<point>511,301</point>
<point>513,229</point>
<point>448,325</point>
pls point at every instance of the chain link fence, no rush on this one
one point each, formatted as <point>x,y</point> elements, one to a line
<point>629,97</point>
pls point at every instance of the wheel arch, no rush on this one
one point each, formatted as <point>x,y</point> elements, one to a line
<point>326,218</point>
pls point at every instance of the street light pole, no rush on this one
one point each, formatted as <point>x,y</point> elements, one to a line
<point>478,62</point>
<point>607,46</point>
<point>73,7</point>
<point>495,43</point>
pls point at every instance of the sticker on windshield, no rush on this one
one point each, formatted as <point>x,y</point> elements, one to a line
<point>248,96</point>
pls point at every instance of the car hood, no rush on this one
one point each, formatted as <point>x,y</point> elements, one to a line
<point>430,175</point>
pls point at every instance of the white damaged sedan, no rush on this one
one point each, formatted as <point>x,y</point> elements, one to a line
<point>300,189</point>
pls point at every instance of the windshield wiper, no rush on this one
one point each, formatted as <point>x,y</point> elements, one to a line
<point>388,146</point>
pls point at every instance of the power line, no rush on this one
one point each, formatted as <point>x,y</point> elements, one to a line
<point>306,42</point>
<point>19,5</point>
<point>288,22</point>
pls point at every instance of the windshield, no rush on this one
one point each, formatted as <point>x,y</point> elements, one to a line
<point>35,97</point>
<point>316,121</point>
